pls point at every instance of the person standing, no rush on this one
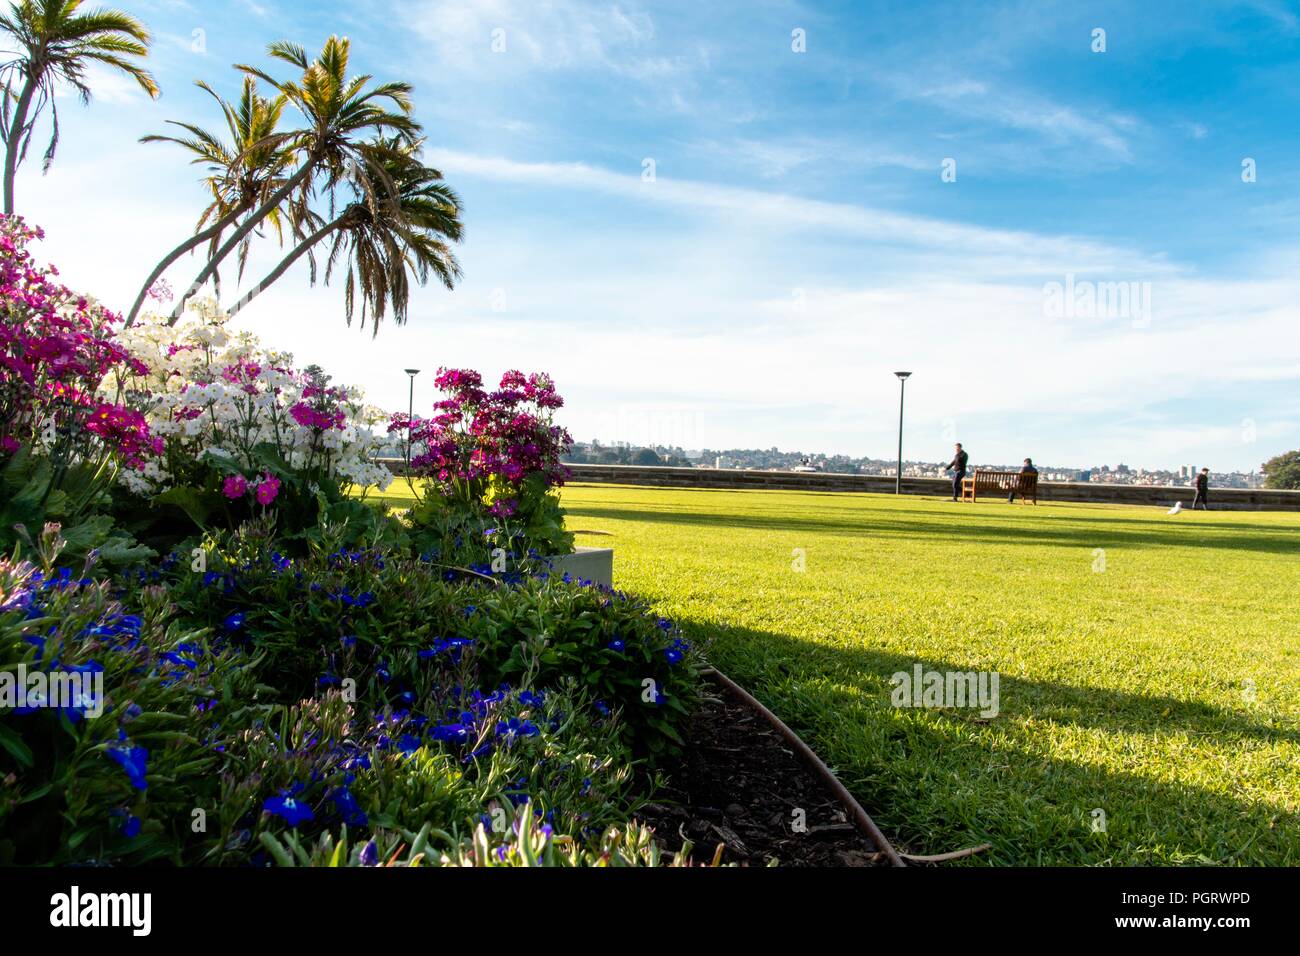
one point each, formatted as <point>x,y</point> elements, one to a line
<point>958,468</point>
<point>1026,469</point>
<point>1202,490</point>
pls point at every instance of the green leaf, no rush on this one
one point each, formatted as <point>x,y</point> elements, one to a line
<point>11,742</point>
<point>197,504</point>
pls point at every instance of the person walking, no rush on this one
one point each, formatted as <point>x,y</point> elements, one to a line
<point>958,468</point>
<point>1026,469</point>
<point>1202,490</point>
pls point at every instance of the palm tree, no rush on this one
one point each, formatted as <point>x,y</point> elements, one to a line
<point>402,220</point>
<point>338,111</point>
<point>242,173</point>
<point>55,45</point>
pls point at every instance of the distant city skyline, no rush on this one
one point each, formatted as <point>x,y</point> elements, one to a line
<point>1186,469</point>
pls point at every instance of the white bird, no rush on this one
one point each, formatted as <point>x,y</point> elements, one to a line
<point>1177,508</point>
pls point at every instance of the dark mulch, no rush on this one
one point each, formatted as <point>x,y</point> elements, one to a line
<point>738,785</point>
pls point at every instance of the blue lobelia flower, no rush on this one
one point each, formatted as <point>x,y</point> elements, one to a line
<point>133,760</point>
<point>348,808</point>
<point>452,733</point>
<point>286,807</point>
<point>234,621</point>
<point>514,727</point>
<point>529,699</point>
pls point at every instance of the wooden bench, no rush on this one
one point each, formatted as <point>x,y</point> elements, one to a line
<point>1000,483</point>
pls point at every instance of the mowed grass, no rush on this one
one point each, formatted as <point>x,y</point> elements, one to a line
<point>1149,665</point>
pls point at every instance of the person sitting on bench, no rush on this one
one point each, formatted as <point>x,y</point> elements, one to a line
<point>1026,469</point>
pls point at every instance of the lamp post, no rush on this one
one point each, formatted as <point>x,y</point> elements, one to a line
<point>410,413</point>
<point>902,388</point>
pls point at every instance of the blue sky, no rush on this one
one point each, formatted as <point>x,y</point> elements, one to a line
<point>797,243</point>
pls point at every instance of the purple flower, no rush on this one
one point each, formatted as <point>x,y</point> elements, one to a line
<point>235,486</point>
<point>370,854</point>
<point>267,489</point>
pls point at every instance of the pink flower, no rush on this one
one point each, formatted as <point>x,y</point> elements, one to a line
<point>236,486</point>
<point>267,489</point>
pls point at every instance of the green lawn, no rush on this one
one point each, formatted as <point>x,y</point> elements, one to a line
<point>1124,689</point>
<point>1157,680</point>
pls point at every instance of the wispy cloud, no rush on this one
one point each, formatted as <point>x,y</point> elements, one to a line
<point>556,35</point>
<point>1024,252</point>
<point>1100,131</point>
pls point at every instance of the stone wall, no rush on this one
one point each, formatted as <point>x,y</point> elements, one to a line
<point>1228,499</point>
<point>1220,498</point>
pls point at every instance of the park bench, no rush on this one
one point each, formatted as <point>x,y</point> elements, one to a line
<point>1001,483</point>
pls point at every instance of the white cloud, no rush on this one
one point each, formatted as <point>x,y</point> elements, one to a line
<point>556,35</point>
<point>1061,125</point>
<point>990,249</point>
<point>107,85</point>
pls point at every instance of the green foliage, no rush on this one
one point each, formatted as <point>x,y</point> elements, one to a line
<point>528,843</point>
<point>37,491</point>
<point>461,531</point>
<point>255,708</point>
<point>63,798</point>
<point>536,631</point>
<point>1282,471</point>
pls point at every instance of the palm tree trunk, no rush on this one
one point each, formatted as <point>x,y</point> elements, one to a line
<point>286,262</point>
<point>193,242</point>
<point>16,135</point>
<point>237,237</point>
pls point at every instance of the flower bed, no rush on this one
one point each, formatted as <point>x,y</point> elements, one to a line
<point>346,701</point>
<point>303,678</point>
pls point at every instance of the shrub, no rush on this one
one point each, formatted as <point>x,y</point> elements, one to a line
<point>108,775</point>
<point>61,442</point>
<point>491,464</point>
<point>245,435</point>
<point>280,701</point>
<point>385,621</point>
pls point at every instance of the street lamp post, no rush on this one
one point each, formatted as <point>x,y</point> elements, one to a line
<point>902,387</point>
<point>410,413</point>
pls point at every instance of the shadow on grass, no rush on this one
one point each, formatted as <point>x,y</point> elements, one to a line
<point>937,780</point>
<point>1002,528</point>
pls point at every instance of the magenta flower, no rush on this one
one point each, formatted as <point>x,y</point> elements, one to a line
<point>235,486</point>
<point>55,349</point>
<point>267,489</point>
